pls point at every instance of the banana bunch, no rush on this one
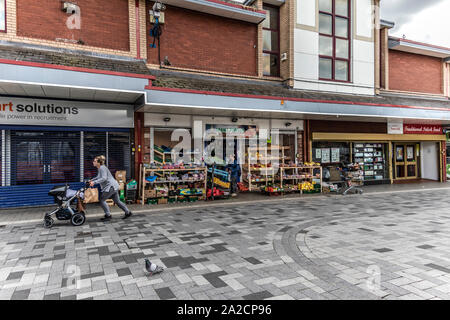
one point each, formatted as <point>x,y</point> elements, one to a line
<point>306,186</point>
<point>312,164</point>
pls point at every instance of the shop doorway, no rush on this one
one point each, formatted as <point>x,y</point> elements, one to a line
<point>44,157</point>
<point>288,141</point>
<point>406,160</point>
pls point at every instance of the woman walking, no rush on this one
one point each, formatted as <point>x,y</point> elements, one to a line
<point>109,188</point>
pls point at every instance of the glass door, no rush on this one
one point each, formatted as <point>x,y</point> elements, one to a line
<point>405,161</point>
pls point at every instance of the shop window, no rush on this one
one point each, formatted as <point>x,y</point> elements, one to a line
<point>334,40</point>
<point>372,160</point>
<point>331,155</point>
<point>163,144</point>
<point>271,42</point>
<point>2,15</point>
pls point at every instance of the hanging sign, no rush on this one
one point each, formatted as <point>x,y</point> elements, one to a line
<point>422,129</point>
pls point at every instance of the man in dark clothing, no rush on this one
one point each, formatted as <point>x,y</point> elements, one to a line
<point>235,173</point>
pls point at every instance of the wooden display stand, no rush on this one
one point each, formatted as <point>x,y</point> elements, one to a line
<point>261,156</point>
<point>299,174</point>
<point>166,173</point>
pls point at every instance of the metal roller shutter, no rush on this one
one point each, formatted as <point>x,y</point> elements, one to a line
<point>2,157</point>
<point>41,157</point>
<point>119,154</point>
<point>35,162</point>
<point>94,145</point>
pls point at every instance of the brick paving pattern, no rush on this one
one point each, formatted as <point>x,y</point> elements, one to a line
<point>377,246</point>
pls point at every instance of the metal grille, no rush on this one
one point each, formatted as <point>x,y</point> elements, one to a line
<point>94,145</point>
<point>119,155</point>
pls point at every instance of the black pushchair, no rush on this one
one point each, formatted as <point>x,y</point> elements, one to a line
<point>70,205</point>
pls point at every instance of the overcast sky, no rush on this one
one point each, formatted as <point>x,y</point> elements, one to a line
<point>421,20</point>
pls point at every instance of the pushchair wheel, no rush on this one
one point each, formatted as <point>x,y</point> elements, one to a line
<point>360,191</point>
<point>48,222</point>
<point>78,219</point>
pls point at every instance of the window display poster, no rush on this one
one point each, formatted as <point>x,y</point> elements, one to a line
<point>318,153</point>
<point>325,155</point>
<point>335,155</point>
<point>410,152</point>
<point>399,153</point>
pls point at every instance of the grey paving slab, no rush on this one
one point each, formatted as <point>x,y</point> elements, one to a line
<point>374,246</point>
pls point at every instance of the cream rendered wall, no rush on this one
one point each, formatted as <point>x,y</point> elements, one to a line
<point>306,12</point>
<point>306,50</point>
<point>364,18</point>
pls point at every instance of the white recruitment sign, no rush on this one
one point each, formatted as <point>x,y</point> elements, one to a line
<point>16,111</point>
<point>395,127</point>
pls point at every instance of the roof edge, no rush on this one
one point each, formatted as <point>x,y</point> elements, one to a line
<point>387,24</point>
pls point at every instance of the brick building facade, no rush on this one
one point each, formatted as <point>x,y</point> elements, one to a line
<point>199,41</point>
<point>224,64</point>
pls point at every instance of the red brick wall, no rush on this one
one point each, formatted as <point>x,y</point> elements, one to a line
<point>104,23</point>
<point>414,72</point>
<point>195,40</point>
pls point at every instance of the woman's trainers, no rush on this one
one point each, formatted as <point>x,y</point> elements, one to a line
<point>106,218</point>
<point>127,215</point>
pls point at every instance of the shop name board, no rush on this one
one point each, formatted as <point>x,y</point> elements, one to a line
<point>422,129</point>
<point>64,113</point>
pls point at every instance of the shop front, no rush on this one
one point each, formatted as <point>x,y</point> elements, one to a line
<point>50,142</point>
<point>411,152</point>
<point>217,141</point>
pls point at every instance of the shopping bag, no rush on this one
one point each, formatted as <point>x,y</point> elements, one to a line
<point>91,195</point>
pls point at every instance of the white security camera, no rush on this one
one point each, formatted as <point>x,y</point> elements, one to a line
<point>158,6</point>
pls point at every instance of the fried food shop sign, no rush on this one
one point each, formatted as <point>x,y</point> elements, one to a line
<point>41,112</point>
<point>422,129</point>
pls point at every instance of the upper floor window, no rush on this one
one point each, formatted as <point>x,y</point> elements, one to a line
<point>334,40</point>
<point>2,15</point>
<point>271,42</point>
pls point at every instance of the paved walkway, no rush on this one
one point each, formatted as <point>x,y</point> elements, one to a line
<point>36,214</point>
<point>374,246</point>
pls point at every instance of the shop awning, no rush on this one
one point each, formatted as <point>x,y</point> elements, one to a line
<point>172,92</point>
<point>29,72</point>
<point>188,102</point>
